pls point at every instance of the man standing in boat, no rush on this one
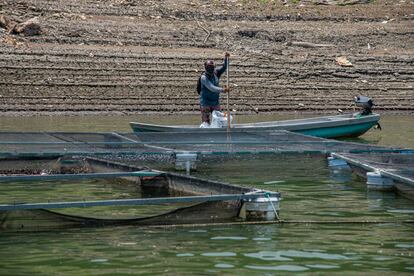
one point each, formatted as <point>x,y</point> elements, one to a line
<point>209,90</point>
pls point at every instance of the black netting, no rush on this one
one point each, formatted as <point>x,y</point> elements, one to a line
<point>127,144</point>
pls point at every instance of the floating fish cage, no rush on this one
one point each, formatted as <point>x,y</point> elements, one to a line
<point>60,166</point>
<point>386,171</point>
<point>183,151</point>
<point>164,147</point>
<point>177,199</point>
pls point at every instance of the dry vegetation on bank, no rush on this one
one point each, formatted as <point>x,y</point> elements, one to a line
<point>130,56</point>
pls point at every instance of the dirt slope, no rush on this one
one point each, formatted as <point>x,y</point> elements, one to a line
<point>130,56</point>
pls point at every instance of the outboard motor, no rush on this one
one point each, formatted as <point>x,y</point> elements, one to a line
<point>366,104</point>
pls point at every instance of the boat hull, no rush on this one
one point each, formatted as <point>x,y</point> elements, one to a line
<point>339,131</point>
<point>350,125</point>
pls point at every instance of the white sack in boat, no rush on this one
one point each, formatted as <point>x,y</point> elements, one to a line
<point>219,119</point>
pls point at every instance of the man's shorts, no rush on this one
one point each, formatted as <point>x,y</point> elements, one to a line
<point>206,112</point>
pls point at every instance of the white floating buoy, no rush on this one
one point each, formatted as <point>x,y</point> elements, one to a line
<point>376,181</point>
<point>263,207</point>
<point>185,161</point>
<point>337,163</point>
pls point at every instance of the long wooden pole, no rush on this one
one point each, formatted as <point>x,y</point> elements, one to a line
<point>228,96</point>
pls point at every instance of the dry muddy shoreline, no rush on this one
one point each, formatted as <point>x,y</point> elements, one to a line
<point>128,57</point>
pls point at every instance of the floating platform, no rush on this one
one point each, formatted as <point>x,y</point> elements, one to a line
<point>386,171</point>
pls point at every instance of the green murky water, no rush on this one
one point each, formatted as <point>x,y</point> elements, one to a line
<point>310,192</point>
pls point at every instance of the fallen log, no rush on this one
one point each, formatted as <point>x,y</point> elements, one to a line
<point>307,44</point>
<point>28,28</point>
<point>340,2</point>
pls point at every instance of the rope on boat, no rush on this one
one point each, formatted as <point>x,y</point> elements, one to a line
<point>282,222</point>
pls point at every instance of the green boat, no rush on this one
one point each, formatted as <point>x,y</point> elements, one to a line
<point>346,125</point>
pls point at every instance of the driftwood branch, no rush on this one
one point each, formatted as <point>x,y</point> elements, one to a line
<point>308,44</point>
<point>205,30</point>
